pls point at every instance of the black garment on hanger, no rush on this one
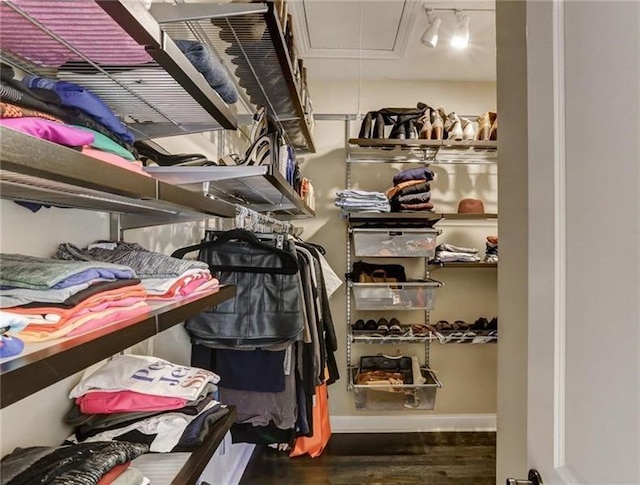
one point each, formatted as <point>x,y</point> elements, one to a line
<point>267,305</point>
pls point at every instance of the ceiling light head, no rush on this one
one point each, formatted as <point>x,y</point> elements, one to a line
<point>430,35</point>
<point>460,37</point>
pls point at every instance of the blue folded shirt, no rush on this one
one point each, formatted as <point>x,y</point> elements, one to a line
<point>75,96</point>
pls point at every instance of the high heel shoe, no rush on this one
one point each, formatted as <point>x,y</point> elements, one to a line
<point>468,132</point>
<point>424,126</point>
<point>453,127</point>
<point>484,127</point>
<point>152,153</point>
<point>493,132</point>
<point>437,125</point>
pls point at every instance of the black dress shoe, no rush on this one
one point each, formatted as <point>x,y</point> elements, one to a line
<point>155,153</point>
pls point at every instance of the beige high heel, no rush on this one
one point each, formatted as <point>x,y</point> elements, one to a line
<point>493,132</point>
<point>437,125</point>
<point>424,126</point>
<point>454,127</point>
<point>468,132</point>
<point>484,127</point>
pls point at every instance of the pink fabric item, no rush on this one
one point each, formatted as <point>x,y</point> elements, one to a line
<point>115,315</point>
<point>83,24</point>
<point>99,402</point>
<point>83,323</point>
<point>114,160</point>
<point>50,131</point>
<point>186,288</point>
<point>198,286</point>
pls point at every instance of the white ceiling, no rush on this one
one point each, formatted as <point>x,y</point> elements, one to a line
<point>328,34</point>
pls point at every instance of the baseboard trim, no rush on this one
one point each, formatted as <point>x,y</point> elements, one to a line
<point>415,423</point>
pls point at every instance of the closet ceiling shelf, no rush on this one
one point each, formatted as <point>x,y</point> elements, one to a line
<point>35,170</point>
<point>260,188</point>
<point>141,75</point>
<point>372,150</point>
<point>251,45</point>
<point>44,364</point>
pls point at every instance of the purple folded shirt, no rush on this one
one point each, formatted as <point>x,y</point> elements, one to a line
<point>50,131</point>
<point>422,173</point>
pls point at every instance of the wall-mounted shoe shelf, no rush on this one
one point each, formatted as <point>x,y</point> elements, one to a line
<point>43,364</point>
<point>386,150</point>
<point>162,95</point>
<point>38,171</point>
<point>260,188</point>
<point>444,337</point>
<point>252,47</point>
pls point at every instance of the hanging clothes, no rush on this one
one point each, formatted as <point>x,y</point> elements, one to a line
<point>281,305</point>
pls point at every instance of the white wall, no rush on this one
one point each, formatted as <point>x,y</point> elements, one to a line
<point>468,372</point>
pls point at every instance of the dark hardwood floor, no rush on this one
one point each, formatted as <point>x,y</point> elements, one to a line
<point>383,459</point>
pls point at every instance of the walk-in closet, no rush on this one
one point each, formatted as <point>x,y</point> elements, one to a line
<point>257,242</point>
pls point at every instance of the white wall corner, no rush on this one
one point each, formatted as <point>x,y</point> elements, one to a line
<point>415,423</point>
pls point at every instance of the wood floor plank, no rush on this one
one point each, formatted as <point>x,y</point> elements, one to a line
<point>384,459</point>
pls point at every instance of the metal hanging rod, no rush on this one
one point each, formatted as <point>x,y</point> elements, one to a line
<point>255,221</point>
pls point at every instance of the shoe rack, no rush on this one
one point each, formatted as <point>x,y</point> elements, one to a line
<point>409,151</point>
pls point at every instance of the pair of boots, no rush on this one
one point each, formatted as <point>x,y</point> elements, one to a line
<point>487,126</point>
<point>437,125</point>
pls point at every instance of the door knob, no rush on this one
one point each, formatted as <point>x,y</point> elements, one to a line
<point>534,479</point>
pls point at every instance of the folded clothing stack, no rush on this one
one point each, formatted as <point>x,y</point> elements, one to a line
<point>447,253</point>
<point>48,298</point>
<point>163,277</point>
<point>491,255</point>
<point>99,463</point>
<point>362,201</point>
<point>411,190</point>
<point>147,400</point>
<point>210,68</point>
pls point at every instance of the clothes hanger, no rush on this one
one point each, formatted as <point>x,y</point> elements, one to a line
<point>289,266</point>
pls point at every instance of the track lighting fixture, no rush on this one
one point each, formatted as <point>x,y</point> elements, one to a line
<point>430,35</point>
<point>460,37</point>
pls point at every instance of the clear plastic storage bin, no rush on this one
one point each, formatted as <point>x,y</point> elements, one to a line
<point>410,295</point>
<point>409,243</point>
<point>396,397</point>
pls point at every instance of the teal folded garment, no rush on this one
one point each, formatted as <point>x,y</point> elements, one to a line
<point>106,144</point>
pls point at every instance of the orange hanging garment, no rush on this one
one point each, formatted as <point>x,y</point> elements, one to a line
<point>314,445</point>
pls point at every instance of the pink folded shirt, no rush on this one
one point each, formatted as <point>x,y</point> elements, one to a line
<point>126,402</point>
<point>50,131</point>
<point>114,160</point>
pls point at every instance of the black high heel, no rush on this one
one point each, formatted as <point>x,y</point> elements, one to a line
<point>154,152</point>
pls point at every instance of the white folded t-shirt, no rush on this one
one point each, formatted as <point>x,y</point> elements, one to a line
<point>146,375</point>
